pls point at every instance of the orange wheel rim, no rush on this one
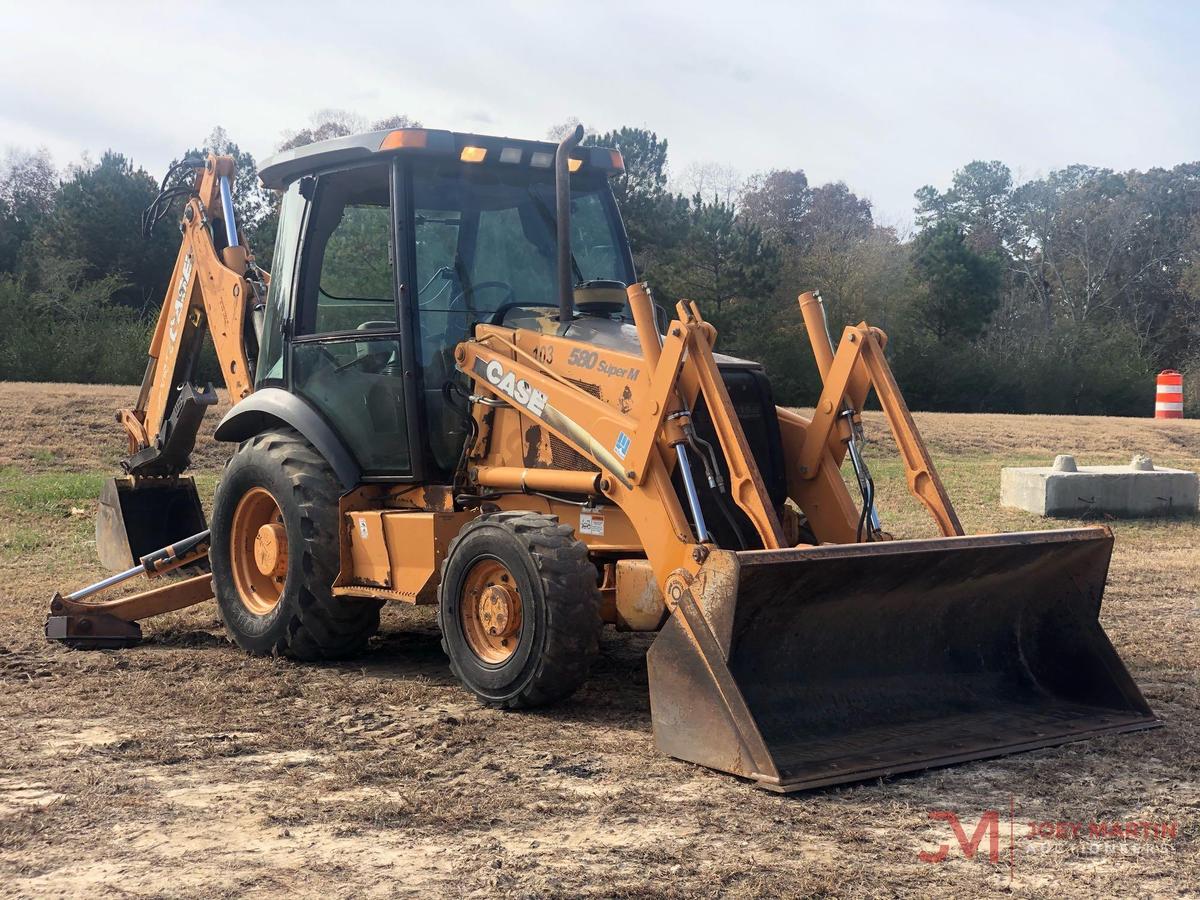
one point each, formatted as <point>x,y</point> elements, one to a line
<point>491,611</point>
<point>258,550</point>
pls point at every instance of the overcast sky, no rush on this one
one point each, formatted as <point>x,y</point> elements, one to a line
<point>886,96</point>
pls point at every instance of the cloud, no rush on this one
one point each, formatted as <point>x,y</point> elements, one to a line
<point>884,96</point>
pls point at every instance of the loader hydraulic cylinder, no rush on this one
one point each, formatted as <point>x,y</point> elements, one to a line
<point>689,487</point>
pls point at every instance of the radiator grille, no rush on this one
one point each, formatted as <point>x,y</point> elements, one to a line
<point>593,389</point>
<point>565,456</point>
<point>562,454</point>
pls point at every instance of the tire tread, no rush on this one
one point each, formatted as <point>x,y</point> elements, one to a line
<point>573,621</point>
<point>321,626</point>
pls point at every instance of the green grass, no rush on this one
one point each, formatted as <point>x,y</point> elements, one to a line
<point>206,486</point>
<point>47,492</point>
<point>58,492</point>
<point>972,482</point>
<point>21,539</point>
<point>50,516</point>
<point>37,506</point>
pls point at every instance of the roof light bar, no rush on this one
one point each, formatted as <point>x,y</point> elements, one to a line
<point>408,138</point>
<point>484,149</point>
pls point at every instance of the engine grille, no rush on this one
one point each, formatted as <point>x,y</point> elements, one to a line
<point>562,454</point>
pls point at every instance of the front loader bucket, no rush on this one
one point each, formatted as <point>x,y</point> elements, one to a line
<point>809,667</point>
<point>139,515</point>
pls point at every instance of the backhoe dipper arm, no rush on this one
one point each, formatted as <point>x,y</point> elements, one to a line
<point>208,292</point>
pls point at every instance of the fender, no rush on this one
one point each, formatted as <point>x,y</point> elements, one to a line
<point>272,406</point>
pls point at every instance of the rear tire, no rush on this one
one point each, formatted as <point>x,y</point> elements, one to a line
<point>298,616</point>
<point>546,583</point>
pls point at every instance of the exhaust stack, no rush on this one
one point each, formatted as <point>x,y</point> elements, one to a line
<point>562,216</point>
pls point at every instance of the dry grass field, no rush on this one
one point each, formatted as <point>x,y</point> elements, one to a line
<point>184,768</point>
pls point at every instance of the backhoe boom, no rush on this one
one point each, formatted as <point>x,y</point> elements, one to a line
<point>210,291</point>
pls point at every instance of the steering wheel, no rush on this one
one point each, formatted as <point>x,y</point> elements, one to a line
<point>374,362</point>
<point>504,309</point>
<point>510,296</point>
<point>378,359</point>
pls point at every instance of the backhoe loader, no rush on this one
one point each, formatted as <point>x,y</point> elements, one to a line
<point>452,389</point>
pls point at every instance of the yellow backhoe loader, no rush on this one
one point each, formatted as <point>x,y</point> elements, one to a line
<point>453,390</point>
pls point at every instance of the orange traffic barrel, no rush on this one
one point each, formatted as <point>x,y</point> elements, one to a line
<point>1168,401</point>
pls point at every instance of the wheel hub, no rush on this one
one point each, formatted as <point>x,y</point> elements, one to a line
<point>497,611</point>
<point>258,551</point>
<point>490,611</point>
<point>270,549</point>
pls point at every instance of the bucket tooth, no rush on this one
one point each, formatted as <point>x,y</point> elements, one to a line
<point>808,667</point>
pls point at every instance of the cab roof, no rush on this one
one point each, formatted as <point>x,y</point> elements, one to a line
<point>282,169</point>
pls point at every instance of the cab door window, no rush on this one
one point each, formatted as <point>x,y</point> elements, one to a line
<point>346,355</point>
<point>348,283</point>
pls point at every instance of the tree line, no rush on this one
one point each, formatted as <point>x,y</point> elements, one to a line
<point>1063,294</point>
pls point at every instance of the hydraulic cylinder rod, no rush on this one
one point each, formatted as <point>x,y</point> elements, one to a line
<point>156,563</point>
<point>231,236</point>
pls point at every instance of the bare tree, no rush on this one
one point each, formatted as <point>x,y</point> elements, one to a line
<point>28,181</point>
<point>710,180</point>
<point>557,132</point>
<point>333,123</point>
<point>1072,252</point>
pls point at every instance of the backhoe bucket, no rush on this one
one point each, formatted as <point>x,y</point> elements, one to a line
<point>139,515</point>
<point>809,667</point>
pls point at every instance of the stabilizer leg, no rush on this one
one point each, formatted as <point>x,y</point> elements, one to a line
<point>108,624</point>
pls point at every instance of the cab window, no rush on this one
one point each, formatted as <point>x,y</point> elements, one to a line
<point>348,282</point>
<point>346,355</point>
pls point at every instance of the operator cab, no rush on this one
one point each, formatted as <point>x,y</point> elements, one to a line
<point>392,246</point>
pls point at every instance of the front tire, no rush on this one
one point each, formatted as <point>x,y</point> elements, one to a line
<point>519,609</point>
<point>275,553</point>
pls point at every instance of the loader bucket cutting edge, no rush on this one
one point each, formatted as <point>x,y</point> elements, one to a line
<point>138,516</point>
<point>810,667</point>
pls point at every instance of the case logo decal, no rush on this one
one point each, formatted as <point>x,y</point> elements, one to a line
<point>520,390</point>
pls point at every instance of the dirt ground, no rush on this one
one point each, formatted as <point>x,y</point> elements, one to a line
<point>184,768</point>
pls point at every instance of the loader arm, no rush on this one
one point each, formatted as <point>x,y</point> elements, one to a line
<point>816,447</point>
<point>800,667</point>
<point>634,450</point>
<point>860,354</point>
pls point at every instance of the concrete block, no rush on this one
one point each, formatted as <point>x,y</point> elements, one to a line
<point>1068,489</point>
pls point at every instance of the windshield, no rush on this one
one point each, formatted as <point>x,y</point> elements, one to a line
<point>485,237</point>
<point>485,243</point>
